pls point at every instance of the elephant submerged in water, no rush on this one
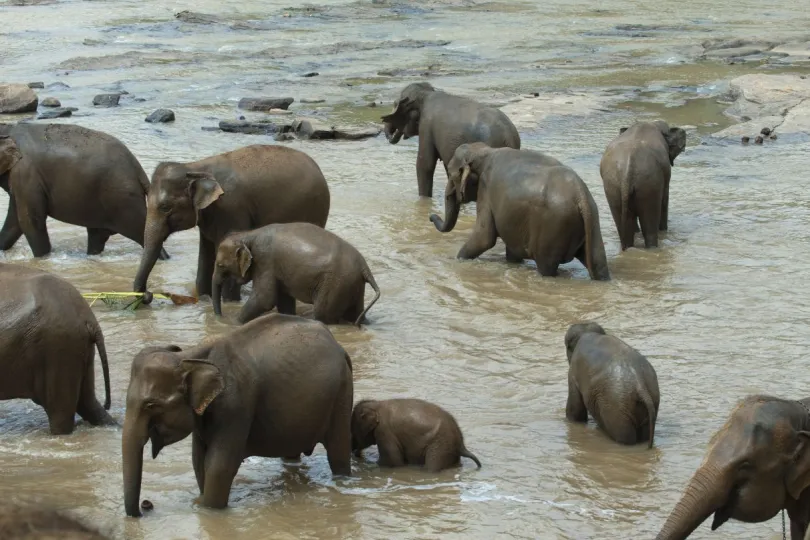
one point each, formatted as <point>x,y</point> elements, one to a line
<point>541,209</point>
<point>443,122</point>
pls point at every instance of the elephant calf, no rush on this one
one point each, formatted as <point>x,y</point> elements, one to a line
<point>275,387</point>
<point>47,345</point>
<point>295,261</point>
<point>409,432</point>
<point>613,382</point>
<point>636,169</point>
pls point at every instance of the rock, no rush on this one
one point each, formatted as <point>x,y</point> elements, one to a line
<point>314,130</point>
<point>106,100</point>
<point>161,116</point>
<point>39,85</point>
<point>250,128</point>
<point>284,137</point>
<point>265,104</point>
<point>312,100</point>
<point>773,136</point>
<point>746,139</point>
<point>17,98</point>
<point>758,140</point>
<point>55,113</point>
<point>50,102</point>
<point>311,74</point>
<point>766,131</point>
<point>58,85</point>
<point>192,17</point>
<point>356,134</point>
<point>147,505</point>
<point>210,128</point>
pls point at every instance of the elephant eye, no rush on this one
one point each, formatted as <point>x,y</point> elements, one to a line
<point>165,207</point>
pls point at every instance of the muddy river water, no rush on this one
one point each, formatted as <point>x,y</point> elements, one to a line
<point>720,309</point>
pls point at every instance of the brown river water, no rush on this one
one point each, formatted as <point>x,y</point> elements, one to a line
<point>720,310</point>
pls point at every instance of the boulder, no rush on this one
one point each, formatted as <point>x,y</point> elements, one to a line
<point>161,116</point>
<point>262,127</point>
<point>106,100</point>
<point>50,102</point>
<point>265,104</point>
<point>55,113</point>
<point>17,98</point>
<point>36,85</point>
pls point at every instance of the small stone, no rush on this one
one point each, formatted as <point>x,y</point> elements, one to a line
<point>17,98</point>
<point>39,85</point>
<point>58,85</point>
<point>372,104</point>
<point>766,131</point>
<point>265,104</point>
<point>759,139</point>
<point>285,136</point>
<point>161,116</point>
<point>138,99</point>
<point>312,100</point>
<point>241,117</point>
<point>106,100</point>
<point>50,114</point>
<point>50,102</point>
<point>311,74</point>
<point>147,505</point>
<point>773,136</point>
<point>536,94</point>
<point>746,139</point>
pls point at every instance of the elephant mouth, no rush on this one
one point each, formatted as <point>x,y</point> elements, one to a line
<point>157,441</point>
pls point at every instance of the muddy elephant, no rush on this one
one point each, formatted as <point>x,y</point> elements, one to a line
<point>613,382</point>
<point>756,465</point>
<point>539,207</point>
<point>275,387</point>
<point>295,261</point>
<point>235,191</point>
<point>409,432</point>
<point>75,175</point>
<point>443,122</point>
<point>636,169</point>
<point>48,343</point>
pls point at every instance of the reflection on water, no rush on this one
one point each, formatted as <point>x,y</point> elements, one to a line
<point>719,310</point>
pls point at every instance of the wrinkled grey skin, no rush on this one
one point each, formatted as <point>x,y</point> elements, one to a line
<point>539,207</point>
<point>409,432</point>
<point>275,387</point>
<point>613,382</point>
<point>75,175</point>
<point>235,191</point>
<point>636,169</point>
<point>48,341</point>
<point>757,464</point>
<point>443,122</point>
<point>295,261</point>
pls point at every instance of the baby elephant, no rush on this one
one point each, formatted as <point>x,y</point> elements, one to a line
<point>409,432</point>
<point>612,381</point>
<point>295,261</point>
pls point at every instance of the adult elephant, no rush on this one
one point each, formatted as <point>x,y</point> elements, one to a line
<point>636,168</point>
<point>541,209</point>
<point>757,464</point>
<point>443,122</point>
<point>72,174</point>
<point>48,339</point>
<point>275,387</point>
<point>236,191</point>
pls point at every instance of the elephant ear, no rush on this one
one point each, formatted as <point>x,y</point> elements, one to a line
<point>676,142</point>
<point>204,383</point>
<point>203,189</point>
<point>368,417</point>
<point>9,154</point>
<point>244,258</point>
<point>798,473</point>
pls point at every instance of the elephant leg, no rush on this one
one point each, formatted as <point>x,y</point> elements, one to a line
<point>60,421</point>
<point>388,448</point>
<point>284,302</point>
<point>513,256</point>
<point>426,159</point>
<point>575,409</point>
<point>437,458</point>
<point>198,460</point>
<point>662,225</point>
<point>96,240</point>
<point>206,258</point>
<point>338,441</point>
<point>32,218</point>
<point>222,460</point>
<point>618,425</point>
<point>483,236</point>
<point>328,306</point>
<point>88,407</point>
<point>11,231</point>
<point>650,217</point>
<point>257,305</point>
<point>291,459</point>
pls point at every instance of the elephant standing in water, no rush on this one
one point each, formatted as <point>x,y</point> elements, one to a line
<point>72,174</point>
<point>539,207</point>
<point>48,340</point>
<point>443,122</point>
<point>275,387</point>
<point>757,464</point>
<point>636,169</point>
<point>235,191</point>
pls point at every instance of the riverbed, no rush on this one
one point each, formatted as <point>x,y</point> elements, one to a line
<point>720,309</point>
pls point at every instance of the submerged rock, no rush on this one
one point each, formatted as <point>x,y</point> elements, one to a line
<point>50,102</point>
<point>106,100</point>
<point>58,85</point>
<point>265,104</point>
<point>36,85</point>
<point>262,127</point>
<point>311,74</point>
<point>312,100</point>
<point>17,98</point>
<point>55,113</point>
<point>192,17</point>
<point>161,116</point>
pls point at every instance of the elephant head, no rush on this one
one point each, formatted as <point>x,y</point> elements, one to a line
<point>462,175</point>
<point>9,154</point>
<point>404,119</point>
<point>166,391</point>
<point>576,331</point>
<point>675,138</point>
<point>756,465</point>
<point>234,260</point>
<point>365,419</point>
<point>176,198</point>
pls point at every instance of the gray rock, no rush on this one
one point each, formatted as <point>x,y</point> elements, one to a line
<point>54,113</point>
<point>284,136</point>
<point>356,134</point>
<point>58,85</point>
<point>211,128</point>
<point>50,102</point>
<point>312,100</point>
<point>17,98</point>
<point>39,85</point>
<point>250,128</point>
<point>314,130</point>
<point>161,116</point>
<point>265,104</point>
<point>311,74</point>
<point>106,100</point>
<point>192,17</point>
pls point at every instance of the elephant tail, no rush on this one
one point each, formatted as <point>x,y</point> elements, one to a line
<point>625,204</point>
<point>467,454</point>
<point>368,278</point>
<point>651,416</point>
<point>98,338</point>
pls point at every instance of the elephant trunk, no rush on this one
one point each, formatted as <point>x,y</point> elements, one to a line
<point>133,440</point>
<point>451,209</point>
<point>706,493</point>
<point>392,133</point>
<point>155,234</point>
<point>216,292</point>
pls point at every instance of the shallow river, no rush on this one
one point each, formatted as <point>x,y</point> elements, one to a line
<point>720,309</point>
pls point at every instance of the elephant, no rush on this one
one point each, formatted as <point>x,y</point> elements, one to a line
<point>443,122</point>
<point>295,261</point>
<point>613,382</point>
<point>756,465</point>
<point>409,432</point>
<point>275,387</point>
<point>235,191</point>
<point>75,175</point>
<point>47,345</point>
<point>539,207</point>
<point>636,169</point>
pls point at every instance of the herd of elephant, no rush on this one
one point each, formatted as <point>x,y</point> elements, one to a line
<point>261,212</point>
